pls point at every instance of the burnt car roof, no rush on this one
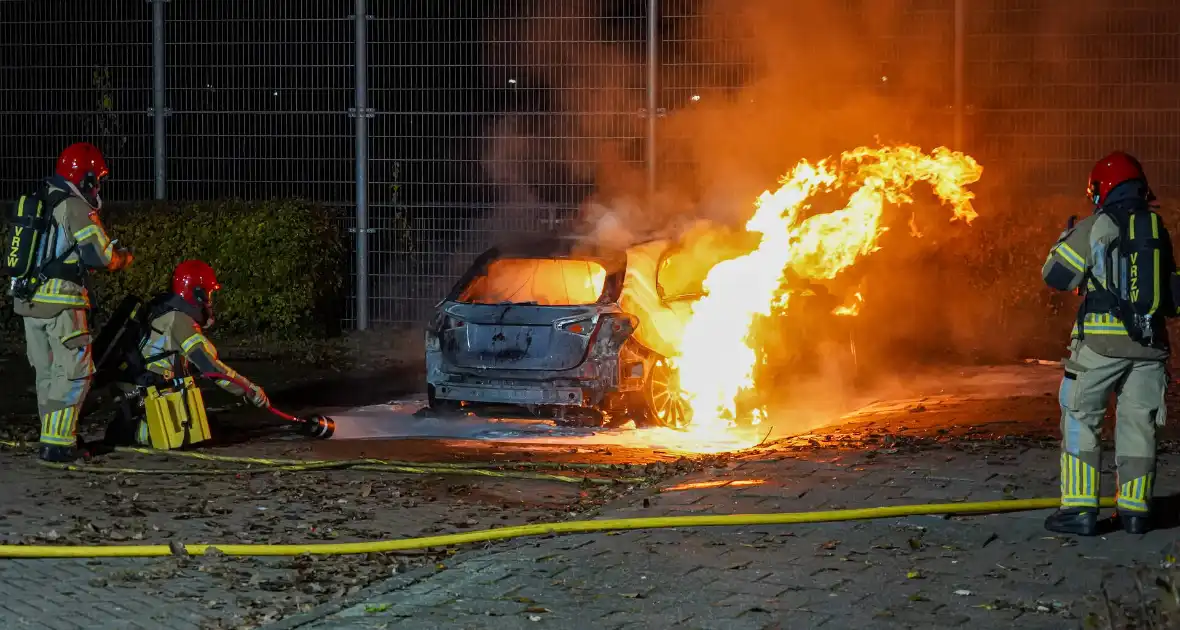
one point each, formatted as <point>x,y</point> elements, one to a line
<point>554,247</point>
<point>614,261</point>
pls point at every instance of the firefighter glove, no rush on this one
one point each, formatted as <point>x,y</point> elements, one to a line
<point>121,260</point>
<point>257,397</point>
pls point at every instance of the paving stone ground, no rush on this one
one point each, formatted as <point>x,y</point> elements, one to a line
<point>991,571</point>
<point>921,571</point>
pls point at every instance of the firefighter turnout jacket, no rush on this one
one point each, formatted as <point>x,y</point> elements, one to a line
<point>1079,260</point>
<point>176,337</point>
<point>76,223</point>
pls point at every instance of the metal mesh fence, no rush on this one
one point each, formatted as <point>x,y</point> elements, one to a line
<point>75,72</point>
<point>489,121</point>
<point>259,92</point>
<point>494,120</point>
<point>1053,86</point>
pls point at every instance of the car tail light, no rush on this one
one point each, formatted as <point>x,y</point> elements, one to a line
<point>445,321</point>
<point>584,327</point>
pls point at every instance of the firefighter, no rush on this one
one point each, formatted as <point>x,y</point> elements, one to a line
<point>1112,350</point>
<point>174,342</point>
<point>56,315</point>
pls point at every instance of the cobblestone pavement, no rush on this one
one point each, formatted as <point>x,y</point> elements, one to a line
<point>49,507</point>
<point>984,571</point>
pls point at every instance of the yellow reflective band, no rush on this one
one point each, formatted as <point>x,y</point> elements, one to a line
<point>59,427</point>
<point>104,242</point>
<point>194,341</point>
<point>74,335</point>
<point>63,300</point>
<point>1102,324</point>
<point>1135,494</point>
<point>1079,482</point>
<point>53,292</point>
<point>1070,256</point>
<point>92,231</point>
<point>1155,300</point>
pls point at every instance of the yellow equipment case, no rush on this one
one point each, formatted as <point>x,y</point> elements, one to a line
<point>176,415</point>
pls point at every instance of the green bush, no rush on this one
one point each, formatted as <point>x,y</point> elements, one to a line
<point>279,262</point>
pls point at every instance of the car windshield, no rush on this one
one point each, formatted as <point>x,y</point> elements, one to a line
<point>539,281</point>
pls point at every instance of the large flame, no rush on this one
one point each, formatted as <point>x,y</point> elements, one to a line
<point>715,354</point>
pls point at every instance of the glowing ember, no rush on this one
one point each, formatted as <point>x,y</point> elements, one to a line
<point>704,485</point>
<point>715,355</point>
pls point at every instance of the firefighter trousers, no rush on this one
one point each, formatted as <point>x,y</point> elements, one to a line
<point>59,350</point>
<point>1090,378</point>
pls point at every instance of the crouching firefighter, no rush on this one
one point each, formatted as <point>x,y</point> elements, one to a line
<point>1120,259</point>
<point>55,240</point>
<point>158,345</point>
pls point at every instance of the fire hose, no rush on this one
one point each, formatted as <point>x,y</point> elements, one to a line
<point>318,426</point>
<point>261,465</point>
<point>536,529</point>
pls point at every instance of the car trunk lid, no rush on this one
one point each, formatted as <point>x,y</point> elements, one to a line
<point>517,336</point>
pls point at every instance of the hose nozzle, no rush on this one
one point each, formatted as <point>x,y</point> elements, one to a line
<point>318,427</point>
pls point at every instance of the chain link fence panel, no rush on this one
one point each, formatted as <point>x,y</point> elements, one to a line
<point>76,72</point>
<point>499,120</point>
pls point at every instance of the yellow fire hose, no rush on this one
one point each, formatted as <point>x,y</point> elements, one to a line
<point>519,531</point>
<point>267,465</point>
<point>271,461</point>
<point>322,465</point>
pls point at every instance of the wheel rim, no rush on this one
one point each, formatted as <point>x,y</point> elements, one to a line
<point>665,398</point>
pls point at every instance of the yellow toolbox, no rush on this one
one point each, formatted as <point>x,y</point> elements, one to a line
<point>176,415</point>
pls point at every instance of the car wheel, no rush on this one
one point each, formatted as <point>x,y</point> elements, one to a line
<point>441,405</point>
<point>664,404</point>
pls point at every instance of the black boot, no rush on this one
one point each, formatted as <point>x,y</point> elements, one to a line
<point>121,430</point>
<point>1137,523</point>
<point>1076,521</point>
<point>58,454</point>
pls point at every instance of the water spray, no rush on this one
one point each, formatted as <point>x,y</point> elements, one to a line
<point>320,427</point>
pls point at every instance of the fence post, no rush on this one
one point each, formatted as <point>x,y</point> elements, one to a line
<point>158,111</point>
<point>653,54</point>
<point>959,63</point>
<point>362,113</point>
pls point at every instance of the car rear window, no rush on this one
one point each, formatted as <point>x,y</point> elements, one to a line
<point>541,281</point>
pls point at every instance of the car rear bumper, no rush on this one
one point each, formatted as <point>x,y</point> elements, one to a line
<point>534,394</point>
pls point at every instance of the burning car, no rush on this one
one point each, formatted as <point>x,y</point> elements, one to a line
<point>563,331</point>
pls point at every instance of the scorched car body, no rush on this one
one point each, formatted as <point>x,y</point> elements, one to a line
<point>539,326</point>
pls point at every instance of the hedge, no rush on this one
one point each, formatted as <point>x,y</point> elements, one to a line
<point>279,262</point>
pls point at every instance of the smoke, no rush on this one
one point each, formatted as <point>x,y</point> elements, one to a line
<point>817,78</point>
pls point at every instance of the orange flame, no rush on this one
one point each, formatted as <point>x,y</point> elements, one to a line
<point>715,355</point>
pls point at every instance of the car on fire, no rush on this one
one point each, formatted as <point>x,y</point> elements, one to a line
<point>584,334</point>
<point>580,335</point>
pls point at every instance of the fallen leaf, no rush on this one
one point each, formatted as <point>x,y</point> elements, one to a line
<point>914,575</point>
<point>632,595</point>
<point>831,544</point>
<point>537,609</point>
<point>962,592</point>
<point>534,617</point>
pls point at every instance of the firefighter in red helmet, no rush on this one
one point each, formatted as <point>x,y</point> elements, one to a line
<point>50,290</point>
<point>174,344</point>
<point>1120,259</point>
